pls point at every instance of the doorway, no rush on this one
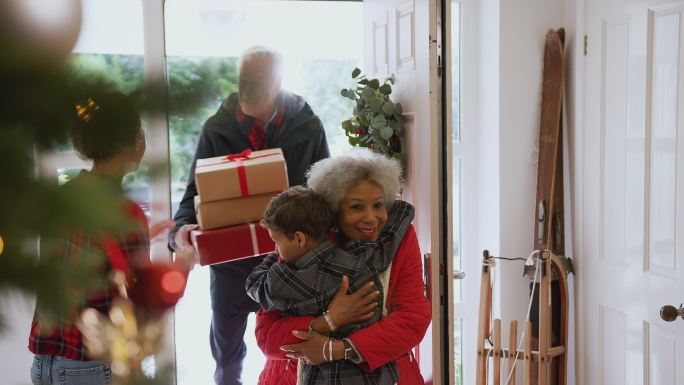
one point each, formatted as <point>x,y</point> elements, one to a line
<point>321,43</point>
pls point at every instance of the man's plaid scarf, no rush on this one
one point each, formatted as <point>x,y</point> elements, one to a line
<point>308,287</point>
<point>260,136</point>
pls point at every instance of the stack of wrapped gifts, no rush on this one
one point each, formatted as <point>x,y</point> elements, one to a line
<point>233,192</point>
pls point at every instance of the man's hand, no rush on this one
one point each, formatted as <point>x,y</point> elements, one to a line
<point>185,251</point>
<point>349,309</point>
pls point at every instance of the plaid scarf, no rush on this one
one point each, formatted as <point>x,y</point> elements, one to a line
<point>260,135</point>
<point>308,287</point>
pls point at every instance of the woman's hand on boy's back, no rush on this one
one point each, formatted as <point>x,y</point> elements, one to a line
<point>346,309</point>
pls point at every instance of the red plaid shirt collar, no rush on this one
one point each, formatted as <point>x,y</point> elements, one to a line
<point>260,137</point>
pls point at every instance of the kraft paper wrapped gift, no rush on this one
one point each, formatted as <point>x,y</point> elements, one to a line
<point>231,243</point>
<point>241,175</point>
<point>231,212</point>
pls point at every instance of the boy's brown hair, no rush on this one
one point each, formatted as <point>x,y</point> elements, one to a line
<point>298,209</point>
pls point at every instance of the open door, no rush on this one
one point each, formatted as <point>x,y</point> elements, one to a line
<point>632,199</point>
<point>401,42</point>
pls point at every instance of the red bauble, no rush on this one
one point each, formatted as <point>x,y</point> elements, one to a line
<point>158,285</point>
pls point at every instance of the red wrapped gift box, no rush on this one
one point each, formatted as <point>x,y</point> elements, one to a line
<point>231,243</point>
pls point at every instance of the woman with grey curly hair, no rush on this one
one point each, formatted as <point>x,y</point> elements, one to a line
<point>360,187</point>
<point>332,177</point>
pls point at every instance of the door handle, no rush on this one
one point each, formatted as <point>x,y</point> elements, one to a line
<point>459,274</point>
<point>670,313</point>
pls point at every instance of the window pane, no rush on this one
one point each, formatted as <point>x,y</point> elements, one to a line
<point>456,224</point>
<point>456,168</point>
<point>458,351</point>
<point>66,174</point>
<point>107,50</point>
<point>456,70</point>
<point>321,43</point>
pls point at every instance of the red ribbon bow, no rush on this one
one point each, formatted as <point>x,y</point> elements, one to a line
<point>240,167</point>
<point>244,155</point>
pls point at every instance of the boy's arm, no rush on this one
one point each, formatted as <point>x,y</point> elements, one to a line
<point>409,311</point>
<point>259,284</point>
<point>399,219</point>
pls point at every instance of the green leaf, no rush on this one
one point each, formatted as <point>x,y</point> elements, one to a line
<point>347,125</point>
<point>375,104</point>
<point>386,132</point>
<point>356,73</point>
<point>399,130</point>
<point>386,89</point>
<point>353,141</point>
<point>374,84</point>
<point>364,82</point>
<point>368,93</point>
<point>388,108</point>
<point>344,92</point>
<point>379,121</point>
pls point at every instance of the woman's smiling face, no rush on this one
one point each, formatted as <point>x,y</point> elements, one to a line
<point>362,213</point>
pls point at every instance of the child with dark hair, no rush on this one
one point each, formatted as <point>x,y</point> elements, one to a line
<point>298,220</point>
<point>108,132</point>
<point>308,277</point>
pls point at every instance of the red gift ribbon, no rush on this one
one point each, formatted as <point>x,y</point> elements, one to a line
<point>240,166</point>
<point>242,175</point>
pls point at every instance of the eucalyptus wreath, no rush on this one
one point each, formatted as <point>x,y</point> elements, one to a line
<point>376,121</point>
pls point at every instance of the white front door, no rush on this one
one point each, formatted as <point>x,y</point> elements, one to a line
<point>400,41</point>
<point>632,193</point>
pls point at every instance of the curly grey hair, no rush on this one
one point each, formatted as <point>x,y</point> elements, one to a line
<point>332,177</point>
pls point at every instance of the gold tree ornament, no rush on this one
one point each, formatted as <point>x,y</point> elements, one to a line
<point>2,245</point>
<point>125,336</point>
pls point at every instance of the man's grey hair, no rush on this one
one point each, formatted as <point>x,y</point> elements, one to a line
<point>332,177</point>
<point>261,51</point>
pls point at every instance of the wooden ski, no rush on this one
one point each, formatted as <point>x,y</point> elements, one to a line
<point>548,226</point>
<point>548,230</point>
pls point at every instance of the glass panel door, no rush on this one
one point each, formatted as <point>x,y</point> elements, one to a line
<point>321,43</point>
<point>458,162</point>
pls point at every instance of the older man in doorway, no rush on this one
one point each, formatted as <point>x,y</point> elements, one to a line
<point>260,115</point>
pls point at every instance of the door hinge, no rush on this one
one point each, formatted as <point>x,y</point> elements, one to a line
<point>439,66</point>
<point>586,45</point>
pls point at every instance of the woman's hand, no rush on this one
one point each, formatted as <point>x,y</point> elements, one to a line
<point>310,349</point>
<point>349,309</point>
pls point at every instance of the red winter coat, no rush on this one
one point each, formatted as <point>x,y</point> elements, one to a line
<point>408,318</point>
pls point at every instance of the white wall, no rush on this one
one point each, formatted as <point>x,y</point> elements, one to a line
<point>17,313</point>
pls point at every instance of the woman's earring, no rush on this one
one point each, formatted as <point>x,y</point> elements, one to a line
<point>335,229</point>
